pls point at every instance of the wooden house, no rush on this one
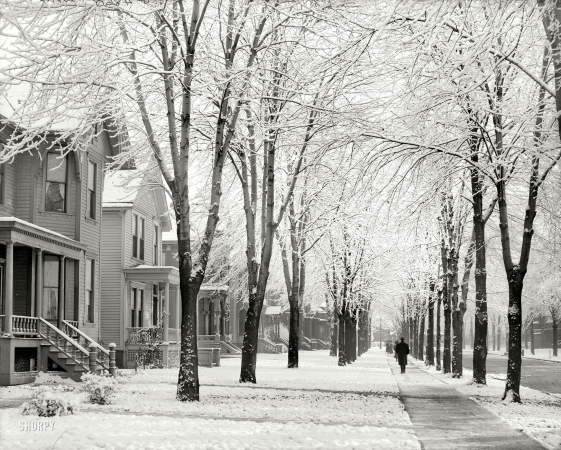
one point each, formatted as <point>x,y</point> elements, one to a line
<point>217,314</point>
<point>50,231</point>
<point>139,294</point>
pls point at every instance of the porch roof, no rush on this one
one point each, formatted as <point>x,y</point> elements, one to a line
<point>145,273</point>
<point>26,233</point>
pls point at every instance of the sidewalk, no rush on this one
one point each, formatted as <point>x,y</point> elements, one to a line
<point>443,418</point>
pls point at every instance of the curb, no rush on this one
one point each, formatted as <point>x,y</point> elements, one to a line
<point>540,359</point>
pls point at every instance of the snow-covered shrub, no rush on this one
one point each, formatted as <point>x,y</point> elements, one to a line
<point>99,390</point>
<point>173,362</point>
<point>47,403</point>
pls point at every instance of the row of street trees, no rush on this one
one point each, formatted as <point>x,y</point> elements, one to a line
<point>344,135</point>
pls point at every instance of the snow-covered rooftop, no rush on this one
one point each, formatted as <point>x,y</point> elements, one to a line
<point>120,188</point>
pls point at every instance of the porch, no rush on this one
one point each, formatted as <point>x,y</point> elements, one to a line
<point>164,331</point>
<point>39,289</point>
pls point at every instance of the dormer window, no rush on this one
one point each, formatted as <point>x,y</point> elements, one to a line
<point>55,184</point>
<point>92,190</point>
<point>138,237</point>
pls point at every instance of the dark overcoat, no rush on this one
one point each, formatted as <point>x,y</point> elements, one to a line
<point>402,350</point>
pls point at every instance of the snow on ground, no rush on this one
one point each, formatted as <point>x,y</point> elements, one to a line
<point>318,406</point>
<point>539,415</point>
<point>542,353</point>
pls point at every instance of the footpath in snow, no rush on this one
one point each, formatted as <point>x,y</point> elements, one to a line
<point>444,418</point>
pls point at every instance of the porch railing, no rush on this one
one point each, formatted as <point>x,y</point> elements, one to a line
<point>21,325</point>
<point>208,339</point>
<point>74,323</point>
<point>144,335</point>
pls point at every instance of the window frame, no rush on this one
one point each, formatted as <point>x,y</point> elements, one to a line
<point>138,236</point>
<point>91,194</point>
<point>55,288</point>
<point>133,307</point>
<point>156,244</point>
<point>90,293</point>
<point>46,180</point>
<point>155,304</point>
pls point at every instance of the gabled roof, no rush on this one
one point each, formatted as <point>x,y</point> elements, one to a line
<point>122,186</point>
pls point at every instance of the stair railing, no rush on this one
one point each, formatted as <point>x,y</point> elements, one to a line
<point>65,344</point>
<point>78,336</point>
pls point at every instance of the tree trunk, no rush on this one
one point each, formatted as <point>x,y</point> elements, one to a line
<point>481,319</point>
<point>333,331</point>
<point>430,328</point>
<point>416,336</point>
<point>532,346</point>
<point>554,329</point>
<point>411,333</point>
<point>342,361</point>
<point>354,337</point>
<point>421,335</point>
<point>188,379</point>
<point>458,325</point>
<point>513,373</point>
<point>499,334</point>
<point>438,356</point>
<point>349,338</point>
<point>293,335</point>
<point>251,338</point>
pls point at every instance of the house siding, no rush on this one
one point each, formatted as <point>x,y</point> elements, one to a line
<point>10,171</point>
<point>23,186</point>
<point>112,275</point>
<point>145,206</point>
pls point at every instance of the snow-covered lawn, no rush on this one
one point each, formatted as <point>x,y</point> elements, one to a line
<point>539,415</point>
<point>318,406</point>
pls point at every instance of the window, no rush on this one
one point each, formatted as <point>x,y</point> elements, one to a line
<point>139,303</point>
<point>90,280</point>
<point>55,184</point>
<point>50,286</point>
<point>137,237</point>
<point>156,245</point>
<point>92,188</point>
<point>137,299</point>
<point>155,306</point>
<point>133,308</point>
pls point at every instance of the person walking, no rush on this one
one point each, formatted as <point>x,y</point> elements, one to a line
<point>402,350</point>
<point>395,351</point>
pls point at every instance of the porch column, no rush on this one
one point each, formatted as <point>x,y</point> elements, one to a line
<point>9,289</point>
<point>166,312</point>
<point>39,287</point>
<point>61,290</point>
